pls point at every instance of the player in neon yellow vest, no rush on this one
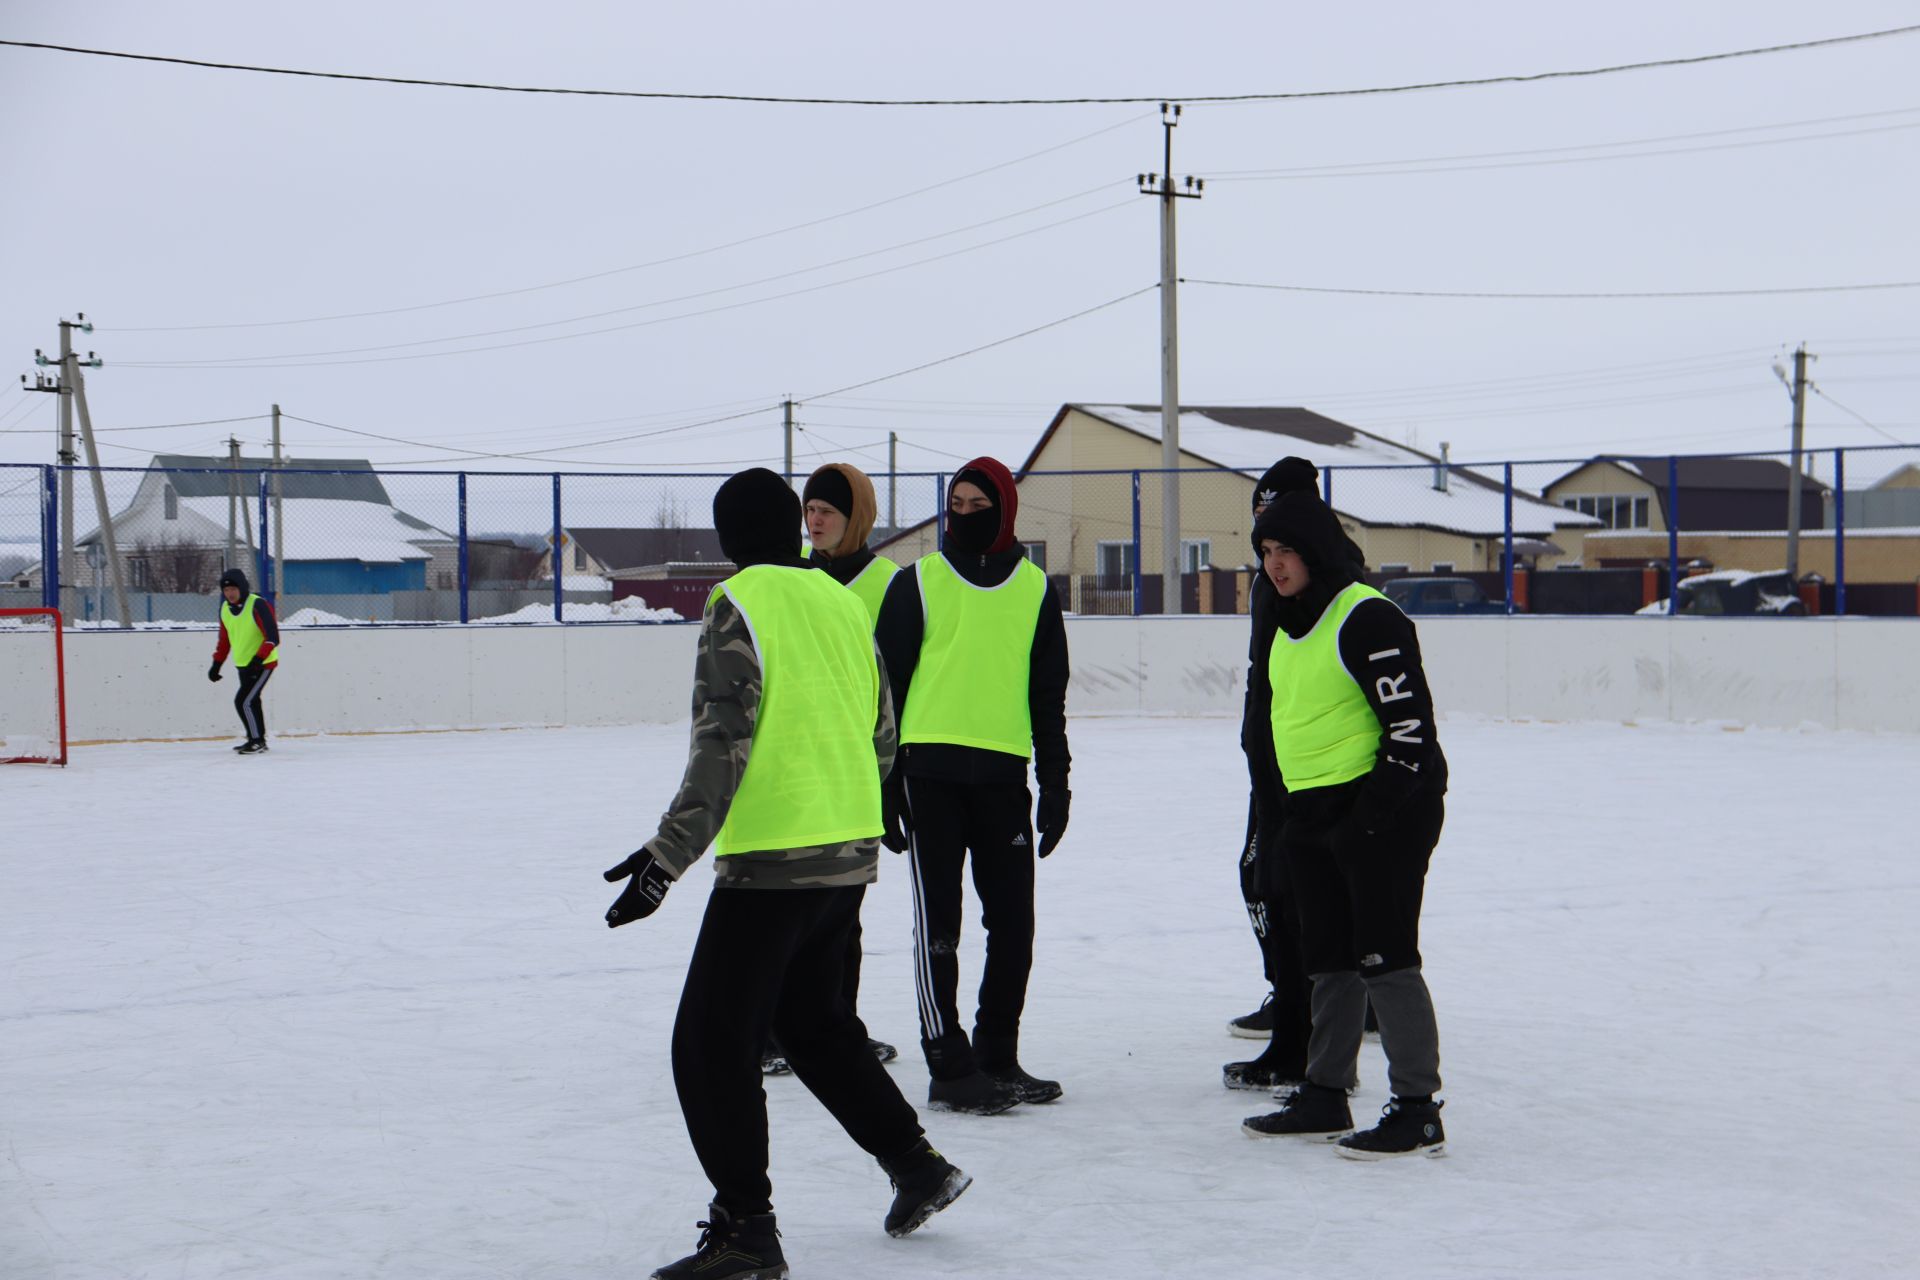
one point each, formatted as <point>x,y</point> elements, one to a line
<point>840,509</point>
<point>1351,720</point>
<point>977,652</point>
<point>248,631</point>
<point>793,730</point>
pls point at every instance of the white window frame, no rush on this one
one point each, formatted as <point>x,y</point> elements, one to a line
<point>1100,551</point>
<point>1037,552</point>
<point>1396,568</point>
<point>1195,552</point>
<point>1444,566</point>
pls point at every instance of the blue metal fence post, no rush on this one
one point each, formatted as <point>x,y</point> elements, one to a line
<point>559,558</point>
<point>1840,531</point>
<point>263,556</point>
<point>464,562</point>
<point>1326,486</point>
<point>1136,545</point>
<point>1506,557</point>
<point>1673,534</point>
<point>940,510</point>
<point>50,541</point>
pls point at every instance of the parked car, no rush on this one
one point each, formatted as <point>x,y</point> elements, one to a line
<point>1736,593</point>
<point>1440,595</point>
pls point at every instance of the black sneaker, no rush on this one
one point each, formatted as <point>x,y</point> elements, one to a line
<point>1025,1087</point>
<point>1314,1111</point>
<point>731,1249</point>
<point>1257,1025</point>
<point>1407,1128</point>
<point>254,748</point>
<point>774,1063</point>
<point>973,1095</point>
<point>1262,1073</point>
<point>882,1050</point>
<point>924,1183</point>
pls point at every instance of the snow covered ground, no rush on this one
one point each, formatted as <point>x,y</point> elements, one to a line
<point>349,1010</point>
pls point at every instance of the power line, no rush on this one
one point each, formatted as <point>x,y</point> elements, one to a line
<point>999,342</point>
<point>234,362</point>
<point>1382,169</point>
<point>543,455</point>
<point>168,426</point>
<point>1674,293</point>
<point>1529,78</point>
<point>1815,388</point>
<point>657,262</point>
<point>707,293</point>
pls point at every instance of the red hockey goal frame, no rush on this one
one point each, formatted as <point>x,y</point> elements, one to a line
<point>59,685</point>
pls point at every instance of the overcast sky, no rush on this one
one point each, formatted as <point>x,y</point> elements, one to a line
<point>159,198</point>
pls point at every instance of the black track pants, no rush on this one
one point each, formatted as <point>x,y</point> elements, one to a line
<point>994,824</point>
<point>1276,927</point>
<point>246,702</point>
<point>771,961</point>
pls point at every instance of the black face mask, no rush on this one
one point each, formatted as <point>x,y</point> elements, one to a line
<point>975,531</point>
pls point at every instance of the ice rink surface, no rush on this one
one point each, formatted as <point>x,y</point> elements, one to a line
<point>349,1010</point>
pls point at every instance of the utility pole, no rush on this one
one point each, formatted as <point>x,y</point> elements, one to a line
<point>68,458</point>
<point>787,408</point>
<point>233,495</point>
<point>1799,389</point>
<point>107,539</point>
<point>1162,185</point>
<point>893,481</point>
<point>279,537</point>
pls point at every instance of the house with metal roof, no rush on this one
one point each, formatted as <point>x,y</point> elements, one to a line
<point>1082,514</point>
<point>340,534</point>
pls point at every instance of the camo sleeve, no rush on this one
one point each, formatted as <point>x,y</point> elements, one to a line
<point>726,700</point>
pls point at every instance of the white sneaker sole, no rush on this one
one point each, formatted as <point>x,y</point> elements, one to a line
<point>1330,1136</point>
<point>1436,1150</point>
<point>1249,1033</point>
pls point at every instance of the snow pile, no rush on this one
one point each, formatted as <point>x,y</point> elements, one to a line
<point>632,609</point>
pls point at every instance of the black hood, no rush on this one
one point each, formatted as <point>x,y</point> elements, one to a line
<point>235,578</point>
<point>757,516</point>
<point>1301,521</point>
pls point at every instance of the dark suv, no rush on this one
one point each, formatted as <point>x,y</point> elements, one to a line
<point>1736,592</point>
<point>1439,595</point>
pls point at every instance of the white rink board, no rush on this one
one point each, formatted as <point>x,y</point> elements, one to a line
<point>1838,673</point>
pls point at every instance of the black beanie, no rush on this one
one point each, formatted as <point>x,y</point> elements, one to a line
<point>831,486</point>
<point>235,578</point>
<point>758,519</point>
<point>1288,475</point>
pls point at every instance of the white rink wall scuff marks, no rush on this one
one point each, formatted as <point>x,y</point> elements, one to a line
<point>1848,673</point>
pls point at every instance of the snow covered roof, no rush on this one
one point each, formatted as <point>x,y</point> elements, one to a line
<point>315,529</point>
<point>350,479</point>
<point>1251,439</point>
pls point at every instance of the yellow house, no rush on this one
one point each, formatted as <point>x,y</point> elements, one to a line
<point>1082,512</point>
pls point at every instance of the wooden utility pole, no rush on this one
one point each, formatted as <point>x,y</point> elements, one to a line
<point>787,409</point>
<point>1162,185</point>
<point>893,481</point>
<point>107,540</point>
<point>1795,482</point>
<point>279,536</point>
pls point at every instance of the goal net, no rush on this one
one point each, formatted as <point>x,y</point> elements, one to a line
<point>33,694</point>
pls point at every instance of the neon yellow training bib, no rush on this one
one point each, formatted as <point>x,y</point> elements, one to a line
<point>1324,730</point>
<point>976,657</point>
<point>812,777</point>
<point>244,636</point>
<point>871,585</point>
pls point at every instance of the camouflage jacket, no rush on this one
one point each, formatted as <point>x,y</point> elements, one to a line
<point>726,700</point>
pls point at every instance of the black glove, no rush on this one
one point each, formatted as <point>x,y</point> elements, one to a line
<point>893,813</point>
<point>642,895</point>
<point>213,672</point>
<point>1051,819</point>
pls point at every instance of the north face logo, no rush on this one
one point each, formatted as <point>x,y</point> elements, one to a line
<point>1020,841</point>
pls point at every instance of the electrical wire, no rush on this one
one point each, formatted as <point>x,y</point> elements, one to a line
<point>1301,95</point>
<point>545,455</point>
<point>704,293</point>
<point>999,342</point>
<point>657,262</point>
<point>228,363</point>
<point>1816,389</point>
<point>1646,294</point>
<point>1370,171</point>
<point>168,426</point>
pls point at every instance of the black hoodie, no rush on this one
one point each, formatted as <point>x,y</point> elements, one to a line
<point>902,627</point>
<point>1379,648</point>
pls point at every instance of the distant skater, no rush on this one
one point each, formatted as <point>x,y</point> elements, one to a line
<point>249,632</point>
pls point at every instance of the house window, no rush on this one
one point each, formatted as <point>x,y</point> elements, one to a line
<point>1443,566</point>
<point>446,580</point>
<point>1037,552</point>
<point>1395,568</point>
<point>1195,553</point>
<point>579,558</point>
<point>1113,559</point>
<point>142,571</point>
<point>171,501</point>
<point>1613,511</point>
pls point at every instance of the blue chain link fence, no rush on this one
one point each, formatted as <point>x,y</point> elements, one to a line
<point>345,545</point>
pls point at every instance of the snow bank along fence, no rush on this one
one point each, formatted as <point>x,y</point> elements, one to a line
<point>344,543</point>
<point>1850,673</point>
